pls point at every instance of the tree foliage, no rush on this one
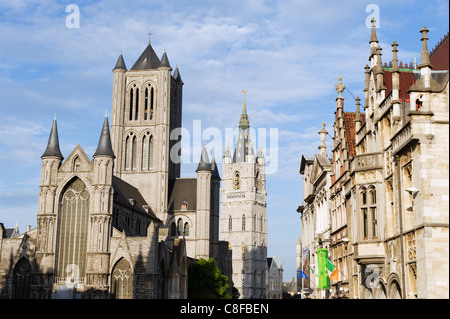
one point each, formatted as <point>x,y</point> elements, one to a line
<point>206,281</point>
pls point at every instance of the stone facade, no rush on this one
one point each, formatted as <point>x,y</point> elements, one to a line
<point>389,188</point>
<point>122,224</point>
<point>243,219</point>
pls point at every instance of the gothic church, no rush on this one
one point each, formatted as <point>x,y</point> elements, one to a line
<point>122,224</point>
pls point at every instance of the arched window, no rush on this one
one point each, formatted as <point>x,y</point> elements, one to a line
<point>230,223</point>
<point>130,152</point>
<point>136,108</point>
<point>173,230</point>
<point>149,102</point>
<point>186,229</point>
<point>147,151</point>
<point>122,280</point>
<point>73,228</point>
<point>22,279</point>
<point>243,222</point>
<point>130,118</point>
<point>180,227</point>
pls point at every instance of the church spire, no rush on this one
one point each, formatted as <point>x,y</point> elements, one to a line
<point>244,123</point>
<point>120,64</point>
<point>53,143</point>
<point>204,164</point>
<point>104,144</point>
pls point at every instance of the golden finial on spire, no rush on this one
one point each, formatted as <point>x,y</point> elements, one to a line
<point>149,35</point>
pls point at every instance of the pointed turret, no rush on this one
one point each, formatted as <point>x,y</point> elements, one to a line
<point>177,76</point>
<point>120,65</point>
<point>204,164</point>
<point>53,143</point>
<point>215,171</point>
<point>104,144</point>
<point>147,61</point>
<point>260,152</point>
<point>165,61</point>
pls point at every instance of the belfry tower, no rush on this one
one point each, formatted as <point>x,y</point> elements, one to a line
<point>146,107</point>
<point>243,219</point>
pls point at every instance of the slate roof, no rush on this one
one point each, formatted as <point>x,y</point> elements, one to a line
<point>104,146</point>
<point>120,65</point>
<point>204,164</point>
<point>182,190</point>
<point>123,192</point>
<point>147,61</point>
<point>53,143</point>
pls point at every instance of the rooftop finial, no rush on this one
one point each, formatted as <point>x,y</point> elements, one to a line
<point>425,56</point>
<point>373,36</point>
<point>394,57</point>
<point>243,121</point>
<point>340,87</point>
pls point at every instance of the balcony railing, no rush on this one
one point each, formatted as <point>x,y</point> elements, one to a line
<point>367,161</point>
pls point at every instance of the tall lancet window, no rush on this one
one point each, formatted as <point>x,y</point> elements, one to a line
<point>73,230</point>
<point>130,152</point>
<point>133,154</point>
<point>147,151</point>
<point>146,104</point>
<point>130,118</point>
<point>136,108</point>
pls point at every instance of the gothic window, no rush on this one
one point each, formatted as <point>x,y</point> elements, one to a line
<point>131,105</point>
<point>136,108</point>
<point>22,279</point>
<point>230,223</point>
<point>76,164</point>
<point>186,229</point>
<point>122,280</point>
<point>243,222</point>
<point>130,152</point>
<point>146,104</point>
<point>73,230</point>
<point>173,230</point>
<point>180,227</point>
<point>147,151</point>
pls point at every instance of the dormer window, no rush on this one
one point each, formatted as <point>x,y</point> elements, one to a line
<point>132,201</point>
<point>185,205</point>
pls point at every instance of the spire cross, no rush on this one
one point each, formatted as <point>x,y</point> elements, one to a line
<point>149,35</point>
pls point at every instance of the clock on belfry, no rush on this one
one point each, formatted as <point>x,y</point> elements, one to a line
<point>236,182</point>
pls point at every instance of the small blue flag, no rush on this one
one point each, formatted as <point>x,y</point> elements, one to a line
<point>303,275</point>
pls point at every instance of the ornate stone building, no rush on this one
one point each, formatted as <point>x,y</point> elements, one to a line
<point>315,213</point>
<point>274,279</point>
<point>243,220</point>
<point>400,178</point>
<point>122,224</point>
<point>389,186</point>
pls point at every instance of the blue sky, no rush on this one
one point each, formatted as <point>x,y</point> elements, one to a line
<point>287,54</point>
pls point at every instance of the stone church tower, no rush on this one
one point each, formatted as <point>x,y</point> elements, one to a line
<point>146,107</point>
<point>243,220</point>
